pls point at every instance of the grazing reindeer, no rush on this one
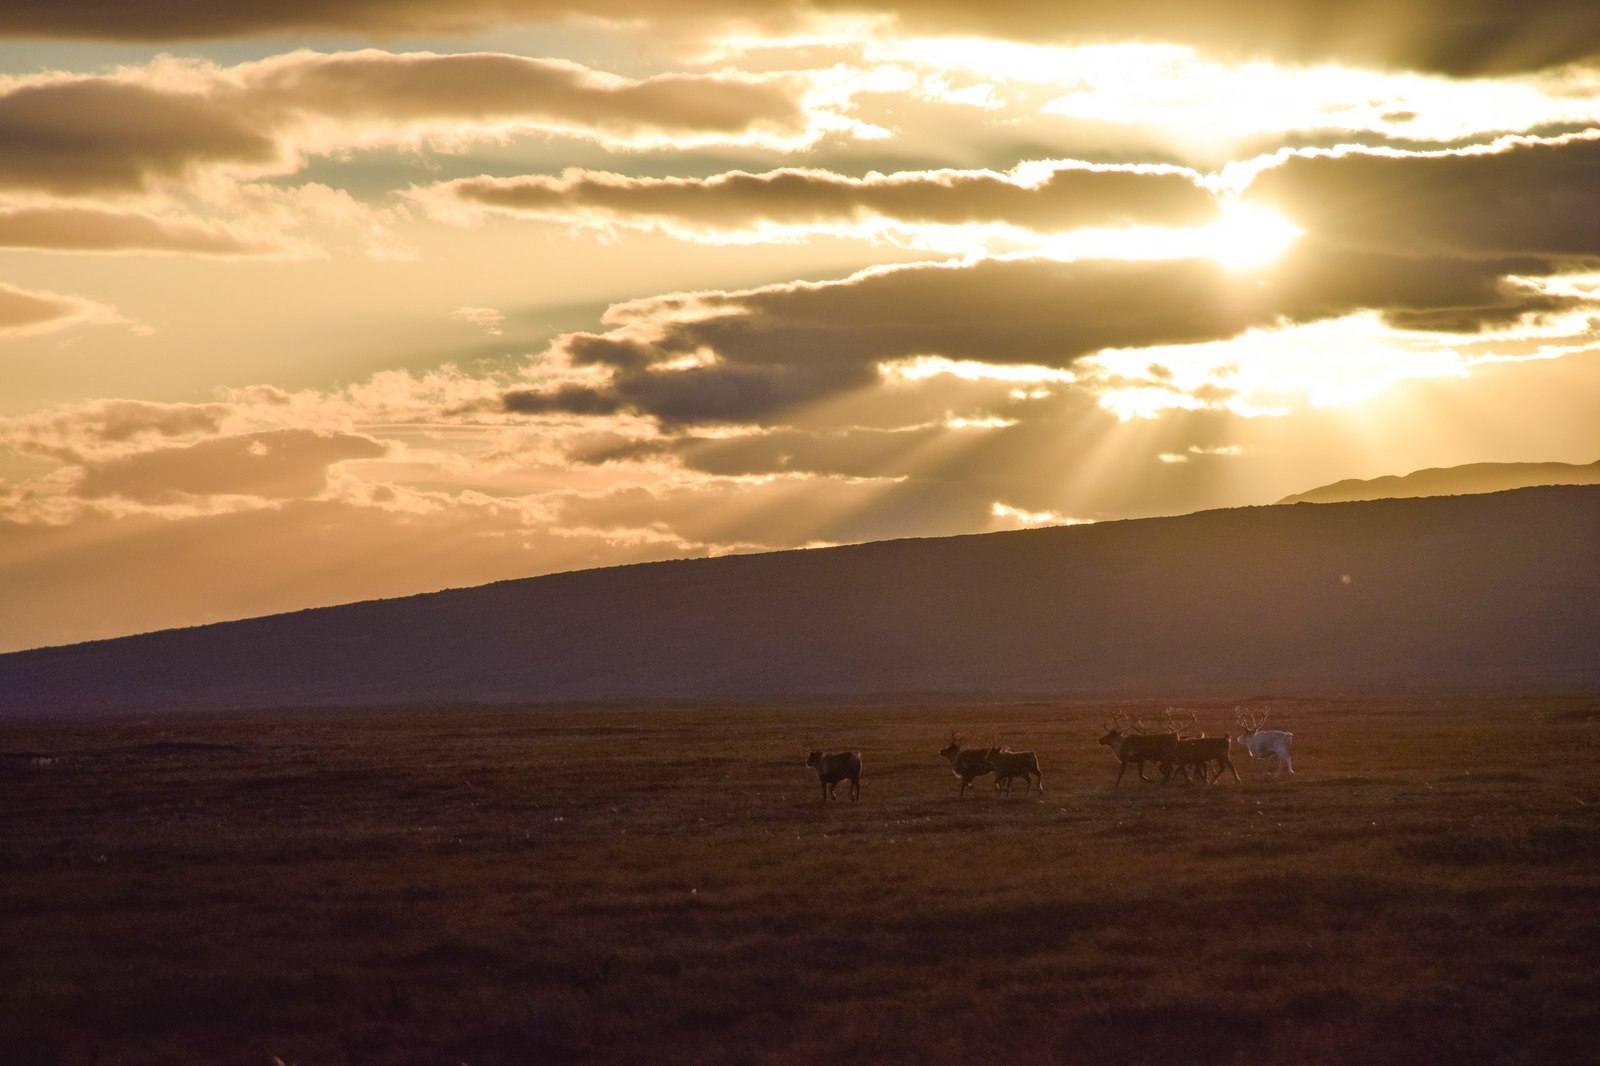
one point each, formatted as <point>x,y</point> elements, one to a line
<point>1139,748</point>
<point>831,769</point>
<point>1264,743</point>
<point>1010,764</point>
<point>967,763</point>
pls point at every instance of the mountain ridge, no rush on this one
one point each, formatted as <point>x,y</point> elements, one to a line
<point>1451,481</point>
<point>1488,593</point>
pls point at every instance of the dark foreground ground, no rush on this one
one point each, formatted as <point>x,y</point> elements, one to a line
<point>638,885</point>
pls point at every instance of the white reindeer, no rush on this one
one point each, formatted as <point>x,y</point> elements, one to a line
<point>1264,743</point>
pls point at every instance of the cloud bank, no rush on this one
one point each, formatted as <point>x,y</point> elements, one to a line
<point>1459,38</point>
<point>1044,198</point>
<point>752,356</point>
<point>1521,196</point>
<point>132,131</point>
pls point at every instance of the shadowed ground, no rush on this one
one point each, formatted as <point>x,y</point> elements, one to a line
<point>636,884</point>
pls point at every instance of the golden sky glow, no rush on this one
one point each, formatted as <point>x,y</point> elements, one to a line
<point>301,309</point>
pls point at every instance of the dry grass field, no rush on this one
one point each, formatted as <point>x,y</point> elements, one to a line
<point>449,885</point>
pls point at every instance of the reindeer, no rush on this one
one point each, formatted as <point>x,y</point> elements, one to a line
<point>1200,752</point>
<point>1197,750</point>
<point>831,769</point>
<point>967,763</point>
<point>1264,743</point>
<point>1010,764</point>
<point>1131,746</point>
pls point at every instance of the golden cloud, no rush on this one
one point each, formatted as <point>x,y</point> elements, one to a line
<point>129,132</point>
<point>1041,197</point>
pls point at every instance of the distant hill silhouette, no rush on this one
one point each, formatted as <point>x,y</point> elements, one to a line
<point>1482,593</point>
<point>1452,481</point>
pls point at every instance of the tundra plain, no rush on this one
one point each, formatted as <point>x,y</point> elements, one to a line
<point>457,884</point>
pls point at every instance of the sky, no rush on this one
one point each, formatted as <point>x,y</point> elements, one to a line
<point>308,303</point>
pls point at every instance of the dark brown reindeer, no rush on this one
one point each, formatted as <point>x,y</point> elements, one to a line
<point>1195,750</point>
<point>1199,753</point>
<point>967,763</point>
<point>836,767</point>
<point>1131,746</point>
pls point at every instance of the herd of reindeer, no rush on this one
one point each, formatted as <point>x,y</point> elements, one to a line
<point>1170,744</point>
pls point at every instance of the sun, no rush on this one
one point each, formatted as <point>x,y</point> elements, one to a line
<point>1248,236</point>
<point>1245,237</point>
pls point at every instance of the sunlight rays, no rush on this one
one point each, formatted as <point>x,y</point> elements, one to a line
<point>1273,372</point>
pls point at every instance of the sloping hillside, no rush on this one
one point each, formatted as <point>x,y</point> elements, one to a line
<point>1488,593</point>
<point>1452,481</point>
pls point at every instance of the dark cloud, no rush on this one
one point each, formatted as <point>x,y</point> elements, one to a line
<point>81,229</point>
<point>76,136</point>
<point>782,347</point>
<point>155,20</point>
<point>785,346</point>
<point>1069,197</point>
<point>1458,37</point>
<point>1448,36</point>
<point>280,464</point>
<point>733,393</point>
<point>1320,280</point>
<point>99,135</point>
<point>1037,311</point>
<point>1529,199</point>
<point>568,400</point>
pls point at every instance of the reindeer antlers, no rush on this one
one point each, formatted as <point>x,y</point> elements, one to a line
<point>1117,721</point>
<point>1250,722</point>
<point>1177,721</point>
<point>1142,725</point>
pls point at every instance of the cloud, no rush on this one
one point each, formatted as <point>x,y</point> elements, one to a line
<point>75,136</point>
<point>1463,37</point>
<point>491,321</point>
<point>152,20</point>
<point>1460,38</point>
<point>566,399</point>
<point>282,464</point>
<point>25,313</point>
<point>101,429</point>
<point>1042,197</point>
<point>1520,196</point>
<point>89,229</point>
<point>550,94</point>
<point>132,131</point>
<point>759,354</point>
